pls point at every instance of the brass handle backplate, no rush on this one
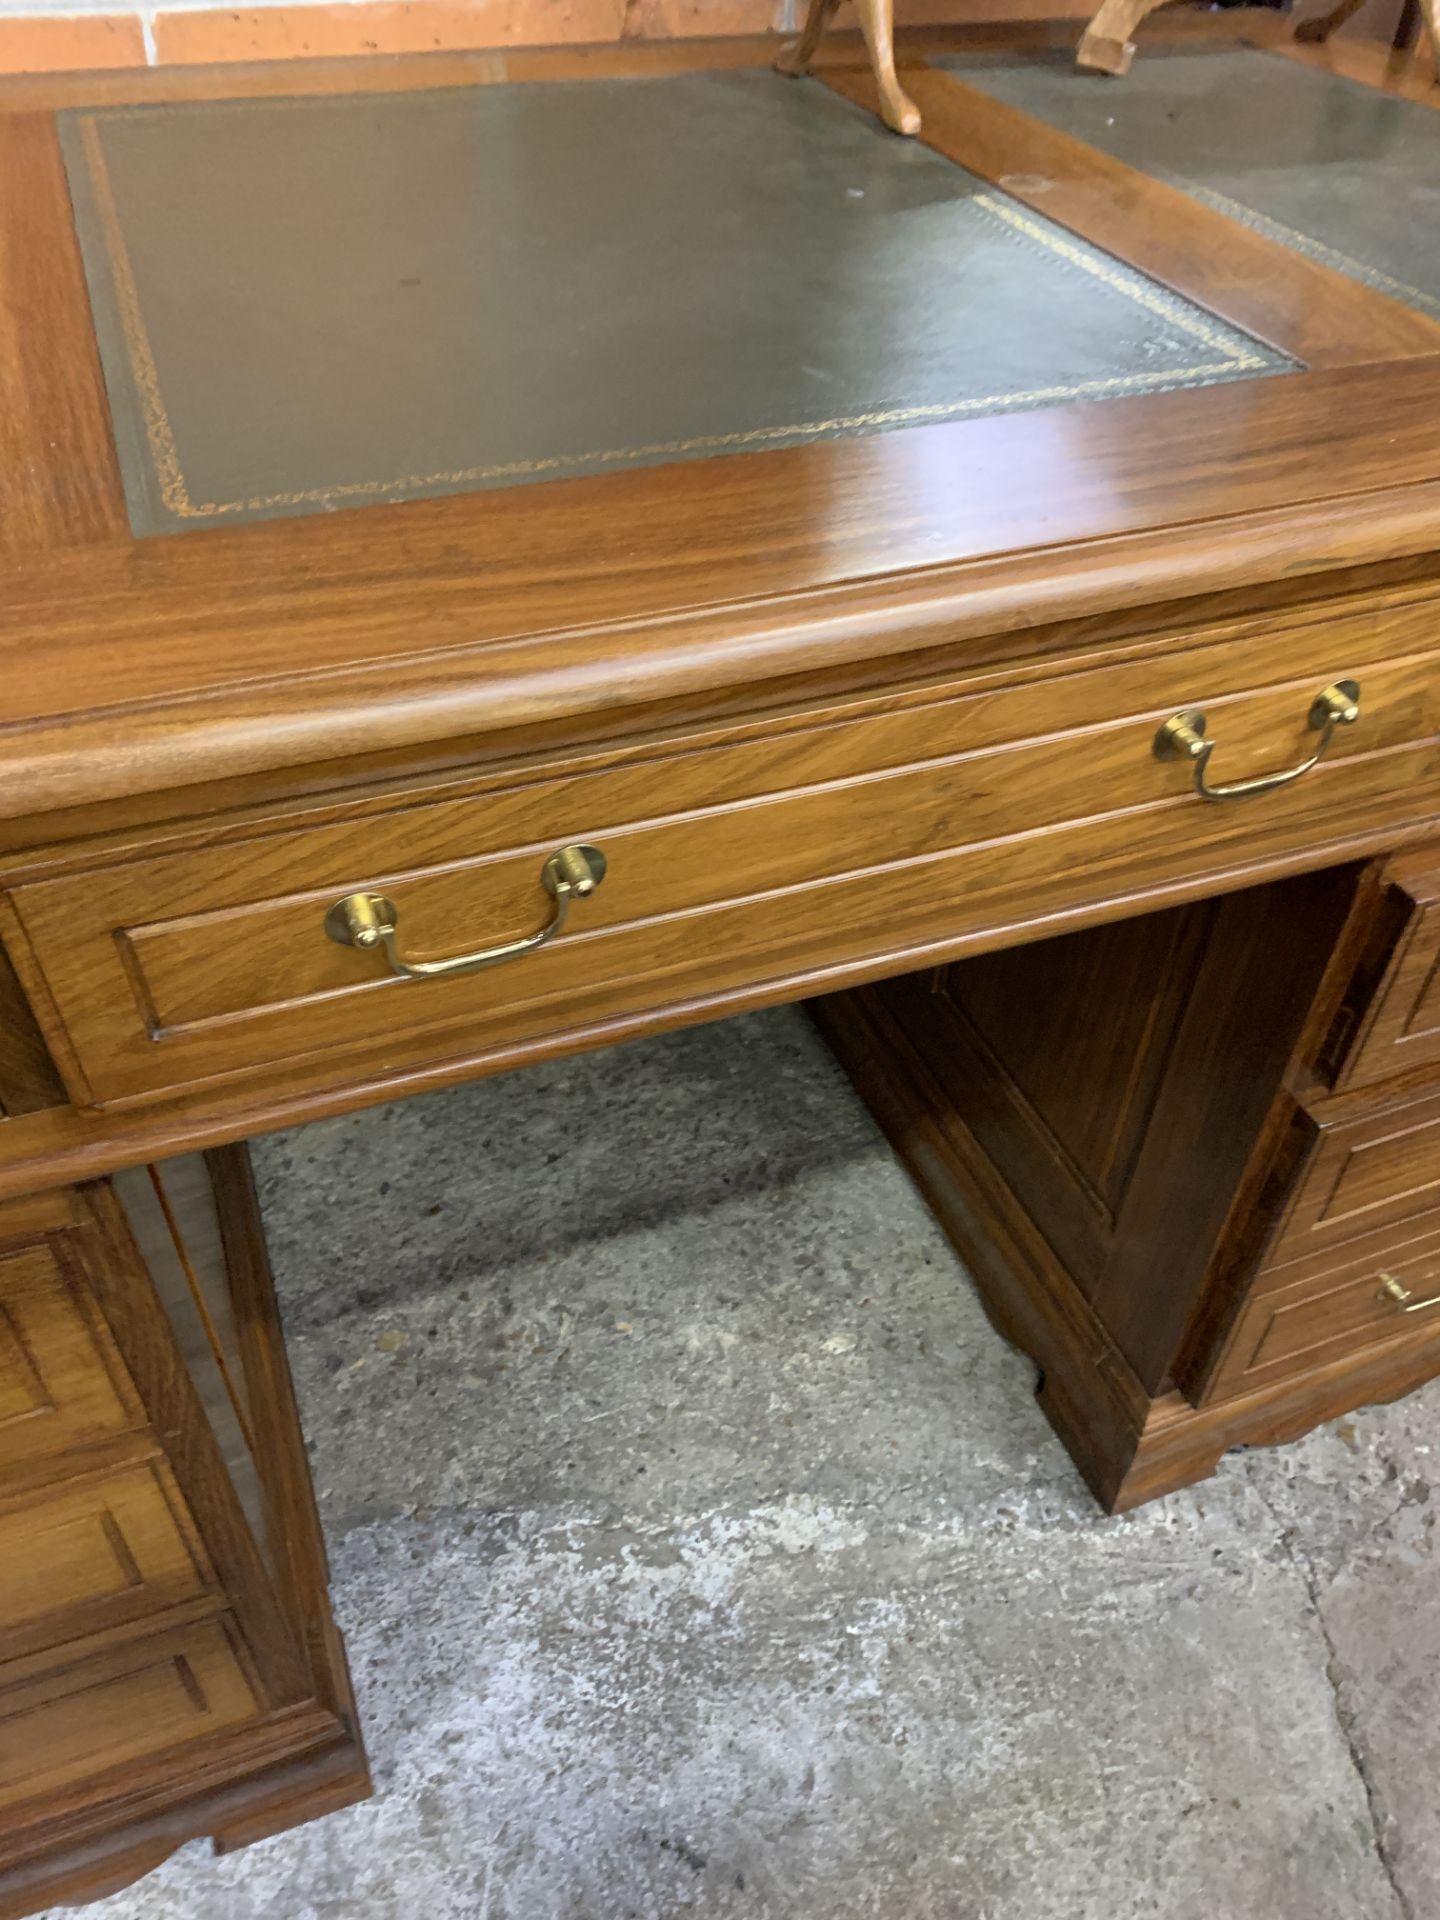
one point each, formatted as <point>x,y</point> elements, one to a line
<point>1393,1289</point>
<point>369,920</point>
<point>1183,738</point>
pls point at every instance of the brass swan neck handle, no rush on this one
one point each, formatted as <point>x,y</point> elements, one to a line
<point>1183,738</point>
<point>369,921</point>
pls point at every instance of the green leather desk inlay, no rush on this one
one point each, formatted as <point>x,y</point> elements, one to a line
<point>305,304</point>
<point>1322,164</point>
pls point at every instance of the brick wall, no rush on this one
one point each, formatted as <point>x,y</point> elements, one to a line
<point>38,35</point>
<point>50,35</point>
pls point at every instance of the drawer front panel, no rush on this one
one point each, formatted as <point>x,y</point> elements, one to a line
<point>1360,1174</point>
<point>61,1381</point>
<point>852,841</point>
<point>119,1708</point>
<point>1399,1030</point>
<point>78,1559</point>
<point>1334,1306</point>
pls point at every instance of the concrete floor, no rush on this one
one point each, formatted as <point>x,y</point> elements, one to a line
<point>701,1551</point>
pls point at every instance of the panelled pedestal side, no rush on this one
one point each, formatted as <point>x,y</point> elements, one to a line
<point>167,1663</point>
<point>1191,1159</point>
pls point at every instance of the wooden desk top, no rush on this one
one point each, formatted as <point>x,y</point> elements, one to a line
<point>147,665</point>
<point>310,304</point>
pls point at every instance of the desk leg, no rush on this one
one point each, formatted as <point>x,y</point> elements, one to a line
<point>168,1664</point>
<point>876,18</point>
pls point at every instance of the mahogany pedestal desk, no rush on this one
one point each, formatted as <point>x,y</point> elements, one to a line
<point>1055,704</point>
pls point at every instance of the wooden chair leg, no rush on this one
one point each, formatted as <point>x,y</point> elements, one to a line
<point>1108,44</point>
<point>876,18</point>
<point>1314,32</point>
<point>897,109</point>
<point>795,59</point>
<point>1431,10</point>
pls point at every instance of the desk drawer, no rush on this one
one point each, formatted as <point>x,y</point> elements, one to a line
<point>1338,1304</point>
<point>61,1729</point>
<point>771,853</point>
<point>1356,1175</point>
<point>1390,1023</point>
<point>97,1554</point>
<point>62,1383</point>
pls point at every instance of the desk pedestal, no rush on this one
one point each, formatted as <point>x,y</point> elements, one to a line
<point>1189,1159</point>
<point>168,1664</point>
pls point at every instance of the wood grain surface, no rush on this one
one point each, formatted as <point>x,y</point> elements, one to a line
<point>59,481</point>
<point>224,654</point>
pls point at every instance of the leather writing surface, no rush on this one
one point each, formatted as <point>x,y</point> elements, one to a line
<point>304,304</point>
<point>1336,170</point>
